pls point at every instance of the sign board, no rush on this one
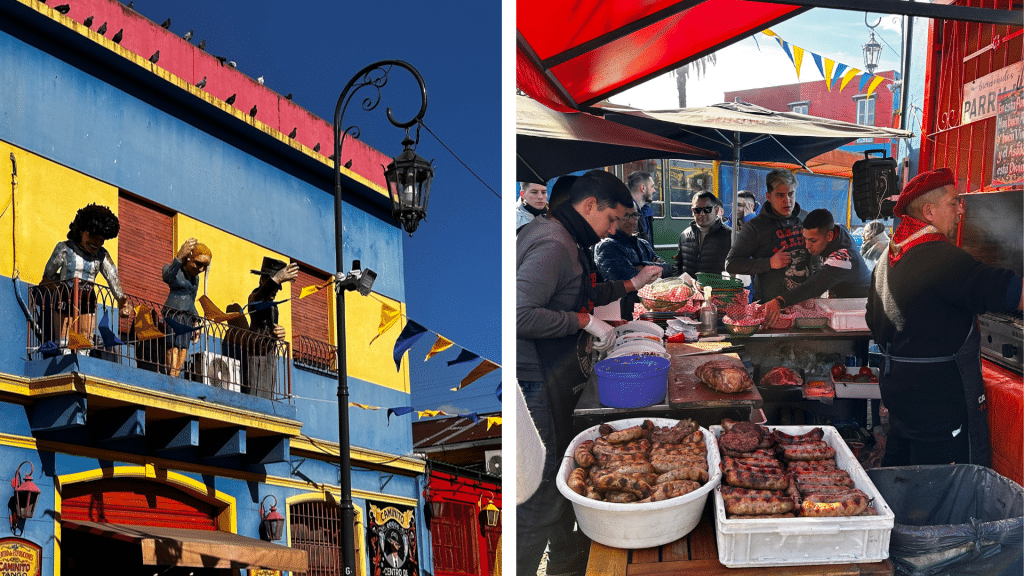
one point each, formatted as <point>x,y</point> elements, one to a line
<point>1008,159</point>
<point>391,540</point>
<point>980,95</point>
<point>264,572</point>
<point>20,557</point>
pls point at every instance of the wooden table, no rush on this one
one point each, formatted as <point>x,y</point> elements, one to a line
<point>696,554</point>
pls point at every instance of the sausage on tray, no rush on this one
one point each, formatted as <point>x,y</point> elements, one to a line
<point>662,465</point>
<point>729,462</point>
<point>756,453</point>
<point>833,505</point>
<point>813,435</point>
<point>759,505</point>
<point>582,454</point>
<point>811,465</point>
<point>621,436</point>
<point>730,492</point>
<point>808,451</point>
<point>621,497</point>
<point>672,490</point>
<point>756,479</point>
<point>578,481</point>
<point>759,516</point>
<point>623,468</point>
<point>622,483</point>
<point>685,473</point>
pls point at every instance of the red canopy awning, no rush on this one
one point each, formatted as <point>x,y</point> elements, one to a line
<point>573,54</point>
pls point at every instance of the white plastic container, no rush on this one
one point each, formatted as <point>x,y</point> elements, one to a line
<point>857,389</point>
<point>847,313</point>
<point>634,525</point>
<point>807,541</point>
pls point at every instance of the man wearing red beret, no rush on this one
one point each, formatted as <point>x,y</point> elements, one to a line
<point>922,311</point>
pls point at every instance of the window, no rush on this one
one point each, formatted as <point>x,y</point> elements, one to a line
<point>865,114</point>
<point>456,539</point>
<point>800,107</point>
<point>686,179</point>
<point>145,245</point>
<point>654,167</point>
<point>311,321</point>
<point>314,528</point>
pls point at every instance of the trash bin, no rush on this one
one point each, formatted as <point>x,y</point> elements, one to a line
<point>956,520</point>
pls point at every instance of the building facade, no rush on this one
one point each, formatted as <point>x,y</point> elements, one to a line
<point>142,467</point>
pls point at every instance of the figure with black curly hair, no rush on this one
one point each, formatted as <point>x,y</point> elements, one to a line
<point>82,257</point>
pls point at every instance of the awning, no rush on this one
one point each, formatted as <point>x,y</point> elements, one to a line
<point>198,548</point>
<point>571,54</point>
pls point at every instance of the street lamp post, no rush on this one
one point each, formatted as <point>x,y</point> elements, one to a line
<point>408,178</point>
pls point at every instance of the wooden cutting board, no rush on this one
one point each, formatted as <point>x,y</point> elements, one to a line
<point>685,390</point>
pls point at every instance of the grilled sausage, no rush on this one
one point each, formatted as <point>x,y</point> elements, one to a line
<point>808,451</point>
<point>578,481</point>
<point>759,505</point>
<point>662,447</point>
<point>663,465</point>
<point>832,505</point>
<point>593,494</point>
<point>756,480</point>
<point>685,473</point>
<point>729,462</point>
<point>606,459</point>
<point>582,454</point>
<point>672,490</point>
<point>605,429</point>
<point>759,516</point>
<point>624,468</point>
<point>622,483</point>
<point>812,465</point>
<point>757,453</point>
<point>730,492</point>
<point>812,436</point>
<point>631,433</point>
<point>620,497</point>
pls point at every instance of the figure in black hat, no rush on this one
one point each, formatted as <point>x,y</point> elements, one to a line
<point>262,362</point>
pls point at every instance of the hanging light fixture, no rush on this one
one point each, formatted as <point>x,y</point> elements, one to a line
<point>490,515</point>
<point>26,493</point>
<point>872,50</point>
<point>409,177</point>
<point>272,522</point>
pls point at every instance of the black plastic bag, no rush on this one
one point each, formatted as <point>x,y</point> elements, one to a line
<point>958,520</point>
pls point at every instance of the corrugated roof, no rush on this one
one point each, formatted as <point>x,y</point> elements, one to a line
<point>453,430</point>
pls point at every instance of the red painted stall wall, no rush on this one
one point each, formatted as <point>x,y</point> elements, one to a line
<point>459,490</point>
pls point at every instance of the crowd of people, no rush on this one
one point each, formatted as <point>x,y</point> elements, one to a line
<point>596,246</point>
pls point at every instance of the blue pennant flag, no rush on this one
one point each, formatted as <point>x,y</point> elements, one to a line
<point>400,411</point>
<point>840,68</point>
<point>864,80</point>
<point>110,338</point>
<point>497,391</point>
<point>821,66</point>
<point>785,46</point>
<point>473,416</point>
<point>257,306</point>
<point>180,328</point>
<point>410,334</point>
<point>464,356</point>
<point>49,349</point>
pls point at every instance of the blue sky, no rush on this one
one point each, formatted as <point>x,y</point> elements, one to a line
<point>311,49</point>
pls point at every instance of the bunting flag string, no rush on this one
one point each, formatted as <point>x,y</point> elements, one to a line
<point>389,315</point>
<point>493,421</point>
<point>314,288</point>
<point>464,356</point>
<point>830,70</point>
<point>440,345</point>
<point>109,337</point>
<point>482,369</point>
<point>410,334</point>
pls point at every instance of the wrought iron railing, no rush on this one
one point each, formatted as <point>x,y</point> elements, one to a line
<point>81,317</point>
<point>315,354</point>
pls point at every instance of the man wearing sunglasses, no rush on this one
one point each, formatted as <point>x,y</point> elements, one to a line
<point>705,244</point>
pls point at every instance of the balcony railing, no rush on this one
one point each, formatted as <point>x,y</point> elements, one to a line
<point>82,317</point>
<point>315,355</point>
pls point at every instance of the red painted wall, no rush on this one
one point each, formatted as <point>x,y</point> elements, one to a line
<point>452,488</point>
<point>144,37</point>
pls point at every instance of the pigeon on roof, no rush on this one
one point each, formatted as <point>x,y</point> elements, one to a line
<point>202,45</point>
<point>117,37</point>
<point>155,57</point>
<point>252,113</point>
<point>232,64</point>
<point>202,83</point>
<point>349,163</point>
<point>102,29</point>
<point>231,99</point>
<point>317,147</point>
<point>260,80</point>
<point>293,132</point>
<point>63,9</point>
<point>188,35</point>
<point>288,96</point>
<point>167,24</point>
<point>87,22</point>
<point>131,5</point>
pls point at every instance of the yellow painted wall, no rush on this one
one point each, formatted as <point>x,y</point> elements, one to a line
<point>373,362</point>
<point>46,198</point>
<point>230,278</point>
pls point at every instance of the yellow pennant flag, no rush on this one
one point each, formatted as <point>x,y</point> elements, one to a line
<point>310,290</point>
<point>798,58</point>
<point>431,413</point>
<point>485,367</point>
<point>829,64</point>
<point>768,32</point>
<point>850,74</point>
<point>363,406</point>
<point>440,345</point>
<point>389,315</point>
<point>493,421</point>
<point>874,84</point>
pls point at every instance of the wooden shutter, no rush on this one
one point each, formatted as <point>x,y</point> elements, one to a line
<point>144,246</point>
<point>455,540</point>
<point>138,502</point>
<point>311,320</point>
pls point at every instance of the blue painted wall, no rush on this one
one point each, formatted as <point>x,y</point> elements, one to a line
<point>129,143</point>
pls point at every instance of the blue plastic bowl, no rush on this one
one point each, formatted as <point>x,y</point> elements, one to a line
<point>632,381</point>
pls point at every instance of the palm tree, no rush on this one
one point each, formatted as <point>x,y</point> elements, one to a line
<point>699,66</point>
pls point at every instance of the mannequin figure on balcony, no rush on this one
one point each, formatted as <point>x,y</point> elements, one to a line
<point>182,276</point>
<point>263,357</point>
<point>81,257</point>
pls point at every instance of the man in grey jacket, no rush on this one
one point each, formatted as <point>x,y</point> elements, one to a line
<point>556,293</point>
<point>771,246</point>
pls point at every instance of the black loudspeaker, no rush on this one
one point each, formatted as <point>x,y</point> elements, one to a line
<point>874,182</point>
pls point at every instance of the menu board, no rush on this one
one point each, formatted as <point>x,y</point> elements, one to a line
<point>1008,162</point>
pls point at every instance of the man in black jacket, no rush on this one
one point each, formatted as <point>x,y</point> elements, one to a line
<point>843,272</point>
<point>771,246</point>
<point>705,244</point>
<point>622,255</point>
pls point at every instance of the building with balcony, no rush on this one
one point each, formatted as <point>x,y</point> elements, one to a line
<point>142,466</point>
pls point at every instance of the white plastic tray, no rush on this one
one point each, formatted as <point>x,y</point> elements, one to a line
<point>857,389</point>
<point>805,541</point>
<point>847,313</point>
<point>638,525</point>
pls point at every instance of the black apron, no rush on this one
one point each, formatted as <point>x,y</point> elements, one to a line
<point>968,363</point>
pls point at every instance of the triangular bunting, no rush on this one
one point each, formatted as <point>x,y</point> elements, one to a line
<point>440,345</point>
<point>110,339</point>
<point>785,47</point>
<point>472,416</point>
<point>464,356</point>
<point>213,313</point>
<point>768,32</point>
<point>363,406</point>
<point>798,58</point>
<point>400,411</point>
<point>431,413</point>
<point>863,81</point>
<point>840,68</point>
<point>485,367</point>
<point>874,84</point>
<point>493,421</point>
<point>49,349</point>
<point>388,316</point>
<point>77,341</point>
<point>310,290</point>
<point>847,77</point>
<point>817,60</point>
<point>828,73</point>
<point>180,328</point>
<point>497,391</point>
<point>410,334</point>
<point>263,305</point>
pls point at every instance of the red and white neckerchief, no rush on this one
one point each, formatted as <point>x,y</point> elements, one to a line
<point>910,233</point>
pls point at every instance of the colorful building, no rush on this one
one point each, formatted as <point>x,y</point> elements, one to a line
<point>139,469</point>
